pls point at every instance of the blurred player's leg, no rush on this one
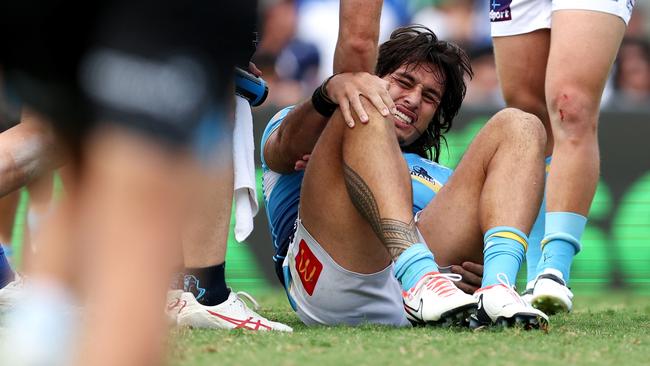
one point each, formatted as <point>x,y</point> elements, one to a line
<point>131,207</point>
<point>583,47</point>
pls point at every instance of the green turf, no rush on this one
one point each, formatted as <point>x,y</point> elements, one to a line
<point>602,330</point>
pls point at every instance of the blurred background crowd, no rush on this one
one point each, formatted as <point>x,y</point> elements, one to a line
<point>298,38</point>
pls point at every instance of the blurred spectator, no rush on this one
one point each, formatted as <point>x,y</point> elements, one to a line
<point>483,90</point>
<point>639,21</point>
<point>318,22</point>
<point>290,75</point>
<point>279,26</point>
<point>464,22</point>
<point>632,75</point>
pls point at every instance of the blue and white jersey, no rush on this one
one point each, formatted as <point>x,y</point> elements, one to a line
<point>427,177</point>
<point>281,195</point>
<point>282,191</point>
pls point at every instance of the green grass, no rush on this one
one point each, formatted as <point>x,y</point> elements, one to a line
<point>603,330</point>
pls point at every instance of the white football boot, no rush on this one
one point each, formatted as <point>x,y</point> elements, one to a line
<point>436,300</point>
<point>173,305</point>
<point>501,305</point>
<point>550,294</point>
<point>527,295</point>
<point>230,314</point>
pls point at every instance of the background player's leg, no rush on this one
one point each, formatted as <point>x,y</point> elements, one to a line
<point>521,66</point>
<point>206,236</point>
<point>583,47</point>
<point>205,240</point>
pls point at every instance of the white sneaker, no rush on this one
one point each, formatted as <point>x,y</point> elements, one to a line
<point>11,293</point>
<point>173,305</point>
<point>501,305</point>
<point>230,314</point>
<point>527,295</point>
<point>436,300</point>
<point>551,295</point>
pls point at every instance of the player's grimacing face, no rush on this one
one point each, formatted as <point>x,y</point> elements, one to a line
<point>416,91</point>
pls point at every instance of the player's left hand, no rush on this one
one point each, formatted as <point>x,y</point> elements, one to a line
<point>302,163</point>
<point>472,274</point>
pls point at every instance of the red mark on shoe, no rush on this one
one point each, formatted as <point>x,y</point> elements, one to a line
<point>177,304</point>
<point>242,323</point>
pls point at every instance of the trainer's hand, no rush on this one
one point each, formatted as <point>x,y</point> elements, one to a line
<point>346,90</point>
<point>472,274</point>
<point>252,68</point>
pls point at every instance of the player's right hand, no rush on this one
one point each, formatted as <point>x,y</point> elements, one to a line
<point>346,90</point>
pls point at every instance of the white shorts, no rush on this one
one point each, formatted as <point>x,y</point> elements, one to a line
<point>324,293</point>
<point>512,17</point>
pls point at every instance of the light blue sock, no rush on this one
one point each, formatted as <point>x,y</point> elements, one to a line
<point>505,248</point>
<point>561,241</point>
<point>534,252</point>
<point>412,264</point>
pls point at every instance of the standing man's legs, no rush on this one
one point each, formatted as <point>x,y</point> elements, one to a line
<point>205,240</point>
<point>583,48</point>
<point>206,237</point>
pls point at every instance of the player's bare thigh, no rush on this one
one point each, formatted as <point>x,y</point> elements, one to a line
<point>583,47</point>
<point>327,212</point>
<point>450,222</point>
<point>521,66</point>
<point>497,182</point>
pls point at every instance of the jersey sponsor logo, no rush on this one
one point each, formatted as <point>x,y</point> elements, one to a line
<point>421,175</point>
<point>500,10</point>
<point>308,267</point>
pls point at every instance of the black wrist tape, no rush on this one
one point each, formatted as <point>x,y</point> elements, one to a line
<point>322,103</point>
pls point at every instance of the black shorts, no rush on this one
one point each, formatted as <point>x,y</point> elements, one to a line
<point>162,67</point>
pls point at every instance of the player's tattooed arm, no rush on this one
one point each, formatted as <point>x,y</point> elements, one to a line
<point>396,235</point>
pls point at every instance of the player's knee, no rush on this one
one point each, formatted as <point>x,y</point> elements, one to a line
<point>376,122</point>
<point>574,113</point>
<point>522,126</point>
<point>526,101</point>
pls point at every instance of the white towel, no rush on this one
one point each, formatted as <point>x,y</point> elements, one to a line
<point>245,195</point>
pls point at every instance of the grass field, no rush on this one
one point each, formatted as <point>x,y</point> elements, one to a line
<point>606,329</point>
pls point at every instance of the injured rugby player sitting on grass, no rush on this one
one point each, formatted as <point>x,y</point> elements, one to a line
<point>356,231</point>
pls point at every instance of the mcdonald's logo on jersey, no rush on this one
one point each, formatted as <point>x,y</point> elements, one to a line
<point>308,267</point>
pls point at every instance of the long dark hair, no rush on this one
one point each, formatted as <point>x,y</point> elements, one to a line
<point>415,45</point>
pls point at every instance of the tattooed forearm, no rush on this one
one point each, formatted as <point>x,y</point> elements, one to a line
<point>396,235</point>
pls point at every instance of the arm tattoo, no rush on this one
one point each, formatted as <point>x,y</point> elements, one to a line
<point>396,235</point>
